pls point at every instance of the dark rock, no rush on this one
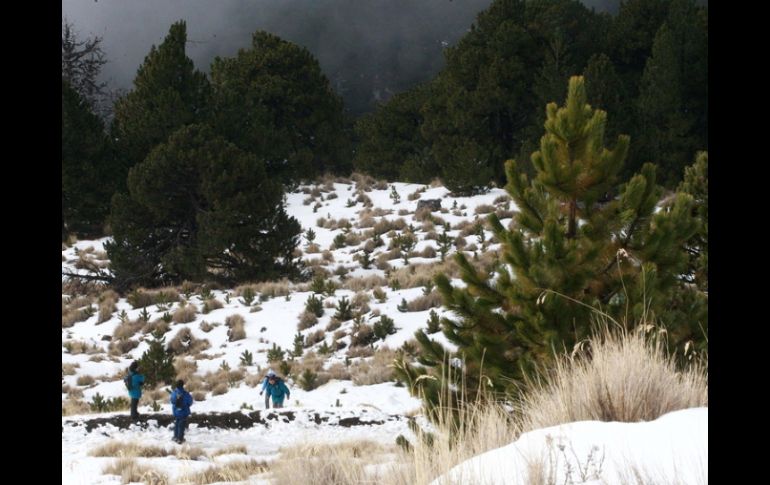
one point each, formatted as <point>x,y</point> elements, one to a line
<point>433,204</point>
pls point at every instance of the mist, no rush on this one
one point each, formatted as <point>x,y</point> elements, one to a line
<point>369,49</point>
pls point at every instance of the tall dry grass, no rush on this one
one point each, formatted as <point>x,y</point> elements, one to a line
<point>130,471</point>
<point>234,471</point>
<point>618,375</point>
<point>480,427</point>
<point>343,463</point>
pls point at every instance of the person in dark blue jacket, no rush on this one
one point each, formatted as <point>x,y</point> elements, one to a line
<point>277,390</point>
<point>135,391</point>
<point>181,401</point>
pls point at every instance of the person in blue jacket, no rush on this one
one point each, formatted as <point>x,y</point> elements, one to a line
<point>277,390</point>
<point>270,373</point>
<point>181,401</point>
<point>135,390</point>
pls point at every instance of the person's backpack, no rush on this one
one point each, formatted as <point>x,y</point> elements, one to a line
<point>127,381</point>
<point>179,404</point>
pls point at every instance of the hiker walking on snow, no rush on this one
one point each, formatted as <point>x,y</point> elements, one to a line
<point>264,386</point>
<point>277,390</point>
<point>134,381</point>
<point>181,401</point>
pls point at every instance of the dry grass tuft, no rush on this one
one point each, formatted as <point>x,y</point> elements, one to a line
<point>627,377</point>
<point>364,283</point>
<point>85,380</point>
<point>343,463</point>
<point>185,314</point>
<point>237,330</point>
<point>185,343</point>
<point>130,471</point>
<point>74,405</point>
<point>306,320</point>
<point>231,450</point>
<point>375,370</point>
<point>234,471</point>
<point>129,449</point>
<point>274,288</point>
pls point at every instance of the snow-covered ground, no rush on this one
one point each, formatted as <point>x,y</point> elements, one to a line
<point>672,449</point>
<point>272,320</point>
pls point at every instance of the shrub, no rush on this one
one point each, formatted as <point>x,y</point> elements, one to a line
<point>185,314</point>
<point>364,335</point>
<point>184,342</point>
<point>619,376</point>
<point>306,320</point>
<point>236,325</point>
<point>386,326</point>
<point>344,310</point>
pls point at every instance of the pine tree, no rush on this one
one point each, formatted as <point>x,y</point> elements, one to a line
<point>485,105</point>
<point>696,183</point>
<point>199,207</point>
<point>568,252</point>
<point>673,98</point>
<point>157,364</point>
<point>168,93</point>
<point>391,146</point>
<point>606,91</point>
<point>273,100</point>
<point>630,38</point>
<point>87,180</point>
<point>689,301</point>
<point>299,345</point>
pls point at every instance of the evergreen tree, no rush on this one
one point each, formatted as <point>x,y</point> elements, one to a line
<point>486,102</point>
<point>630,38</point>
<point>86,179</point>
<point>199,207</point>
<point>156,363</point>
<point>688,301</point>
<point>606,91</point>
<point>273,100</point>
<point>391,146</point>
<point>568,252</point>
<point>696,183</point>
<point>168,93</point>
<point>673,98</point>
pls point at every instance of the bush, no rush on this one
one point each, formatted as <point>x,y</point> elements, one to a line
<point>101,405</point>
<point>623,376</point>
<point>210,305</point>
<point>85,380</point>
<point>185,343</point>
<point>363,336</point>
<point>307,380</point>
<point>156,364</point>
<point>386,326</point>
<point>306,320</point>
<point>315,337</point>
<point>425,302</point>
<point>237,330</point>
<point>374,371</point>
<point>275,354</point>
<point>313,304</point>
<point>185,314</point>
<point>344,310</point>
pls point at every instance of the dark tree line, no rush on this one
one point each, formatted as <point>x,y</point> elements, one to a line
<point>648,64</point>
